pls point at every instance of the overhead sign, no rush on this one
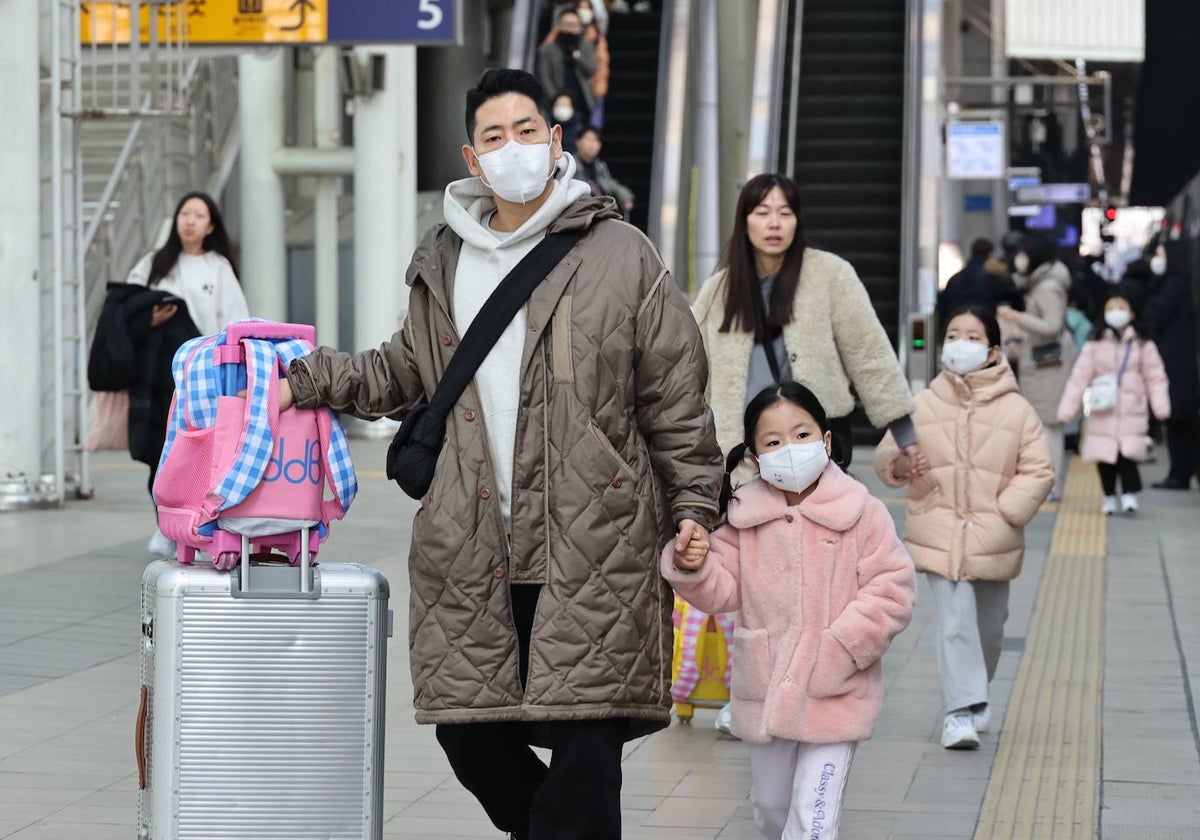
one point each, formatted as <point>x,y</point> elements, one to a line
<point>1055,194</point>
<point>975,150</point>
<point>426,22</point>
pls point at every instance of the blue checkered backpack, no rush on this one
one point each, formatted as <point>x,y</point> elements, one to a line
<point>237,475</point>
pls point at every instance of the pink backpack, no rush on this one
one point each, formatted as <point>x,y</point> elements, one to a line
<point>253,477</point>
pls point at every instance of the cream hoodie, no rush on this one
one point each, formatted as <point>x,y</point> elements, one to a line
<point>485,259</point>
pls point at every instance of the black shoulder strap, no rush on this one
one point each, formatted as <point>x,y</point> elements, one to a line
<point>765,338</point>
<point>497,313</point>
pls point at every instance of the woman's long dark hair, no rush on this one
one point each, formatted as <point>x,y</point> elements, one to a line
<point>1040,249</point>
<point>742,287</point>
<point>786,391</point>
<point>165,257</point>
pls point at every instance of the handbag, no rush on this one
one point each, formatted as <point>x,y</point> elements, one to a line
<point>1048,355</point>
<point>109,428</point>
<point>1102,392</point>
<point>413,453</point>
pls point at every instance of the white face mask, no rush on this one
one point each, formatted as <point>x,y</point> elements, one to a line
<point>516,172</point>
<point>1118,319</point>
<point>586,16</point>
<point>793,467</point>
<point>1158,264</point>
<point>1021,263</point>
<point>963,357</point>
<point>563,113</point>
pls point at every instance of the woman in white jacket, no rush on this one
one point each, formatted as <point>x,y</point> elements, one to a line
<point>195,266</point>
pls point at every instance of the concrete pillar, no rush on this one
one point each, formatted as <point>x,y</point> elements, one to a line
<point>708,222</point>
<point>20,316</point>
<point>328,135</point>
<point>737,23</point>
<point>261,92</point>
<point>385,195</point>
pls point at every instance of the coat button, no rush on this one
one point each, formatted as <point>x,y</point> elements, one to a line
<point>469,415</point>
<point>485,493</point>
<point>710,519</point>
<point>498,572</point>
<point>790,518</point>
<point>446,341</point>
<point>617,482</point>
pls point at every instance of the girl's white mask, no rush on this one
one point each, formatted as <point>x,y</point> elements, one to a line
<point>793,467</point>
<point>1118,319</point>
<point>963,357</point>
<point>516,172</point>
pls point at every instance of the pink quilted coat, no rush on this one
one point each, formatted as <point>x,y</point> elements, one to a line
<point>821,589</point>
<point>1122,430</point>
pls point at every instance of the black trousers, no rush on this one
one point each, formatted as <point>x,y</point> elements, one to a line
<point>1182,449</point>
<point>1131,478</point>
<point>578,797</point>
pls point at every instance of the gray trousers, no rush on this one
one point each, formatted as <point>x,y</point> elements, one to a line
<point>970,628</point>
<point>1056,436</point>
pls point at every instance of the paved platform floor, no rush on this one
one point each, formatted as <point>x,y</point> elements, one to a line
<point>69,630</point>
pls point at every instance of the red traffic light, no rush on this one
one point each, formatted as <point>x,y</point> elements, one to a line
<point>1110,213</point>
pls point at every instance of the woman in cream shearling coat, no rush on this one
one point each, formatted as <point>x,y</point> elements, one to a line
<point>820,324</point>
<point>990,469</point>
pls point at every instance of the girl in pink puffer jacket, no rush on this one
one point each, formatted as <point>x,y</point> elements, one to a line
<point>821,583</point>
<point>1120,371</point>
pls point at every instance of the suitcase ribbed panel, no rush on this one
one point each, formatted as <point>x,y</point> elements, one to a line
<point>276,698</point>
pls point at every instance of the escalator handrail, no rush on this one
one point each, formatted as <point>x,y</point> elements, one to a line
<point>666,211</point>
<point>523,40</point>
<point>770,63</point>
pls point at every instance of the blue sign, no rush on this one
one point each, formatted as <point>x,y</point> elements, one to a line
<point>977,203</point>
<point>423,22</point>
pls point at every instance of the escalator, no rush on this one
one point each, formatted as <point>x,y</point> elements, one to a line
<point>843,141</point>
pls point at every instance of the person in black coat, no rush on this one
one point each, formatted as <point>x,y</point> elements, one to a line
<point>133,350</point>
<point>983,281</point>
<point>1171,312</point>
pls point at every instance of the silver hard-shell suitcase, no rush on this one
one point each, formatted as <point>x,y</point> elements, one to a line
<point>262,709</point>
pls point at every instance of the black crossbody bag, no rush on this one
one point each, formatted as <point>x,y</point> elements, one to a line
<point>414,450</point>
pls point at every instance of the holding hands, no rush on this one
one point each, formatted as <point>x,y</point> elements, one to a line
<point>911,463</point>
<point>691,546</point>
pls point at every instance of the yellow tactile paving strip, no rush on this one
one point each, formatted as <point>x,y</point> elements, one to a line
<point>1045,780</point>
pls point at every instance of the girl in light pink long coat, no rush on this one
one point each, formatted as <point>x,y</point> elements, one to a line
<point>821,584</point>
<point>1115,439</point>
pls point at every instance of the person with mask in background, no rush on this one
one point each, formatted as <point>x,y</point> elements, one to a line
<point>537,613</point>
<point>989,472</point>
<point>564,113</point>
<point>569,60</point>
<point>595,171</point>
<point>1170,313</point>
<point>1045,349</point>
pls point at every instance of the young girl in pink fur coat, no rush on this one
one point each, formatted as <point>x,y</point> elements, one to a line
<point>822,584</point>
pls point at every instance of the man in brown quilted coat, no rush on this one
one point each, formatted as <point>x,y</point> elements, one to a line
<point>537,614</point>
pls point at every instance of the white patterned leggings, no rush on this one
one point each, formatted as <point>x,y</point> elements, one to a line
<point>797,788</point>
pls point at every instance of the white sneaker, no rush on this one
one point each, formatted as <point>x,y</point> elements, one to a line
<point>724,720</point>
<point>1110,505</point>
<point>160,546</point>
<point>982,720</point>
<point>958,733</point>
<point>1129,503</point>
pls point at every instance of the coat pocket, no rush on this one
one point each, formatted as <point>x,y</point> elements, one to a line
<point>835,672</point>
<point>751,664</point>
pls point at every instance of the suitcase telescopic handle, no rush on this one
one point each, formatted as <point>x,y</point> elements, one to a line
<point>139,737</point>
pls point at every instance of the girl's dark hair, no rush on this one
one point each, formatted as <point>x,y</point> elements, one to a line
<point>1040,250</point>
<point>165,257</point>
<point>742,286</point>
<point>1133,292</point>
<point>786,391</point>
<point>987,315</point>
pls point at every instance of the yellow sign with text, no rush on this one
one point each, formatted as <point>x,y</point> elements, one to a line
<point>211,22</point>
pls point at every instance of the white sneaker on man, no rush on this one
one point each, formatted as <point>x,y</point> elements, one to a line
<point>958,733</point>
<point>1110,505</point>
<point>1129,503</point>
<point>160,546</point>
<point>982,719</point>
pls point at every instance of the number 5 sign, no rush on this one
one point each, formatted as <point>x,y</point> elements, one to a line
<point>405,21</point>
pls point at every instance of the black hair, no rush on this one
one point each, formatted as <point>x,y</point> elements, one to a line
<point>1040,250</point>
<point>982,247</point>
<point>742,285</point>
<point>590,129</point>
<point>501,81</point>
<point>986,315</point>
<point>568,10</point>
<point>1133,291</point>
<point>786,391</point>
<point>164,258</point>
